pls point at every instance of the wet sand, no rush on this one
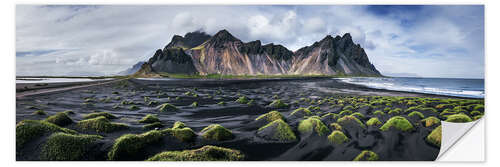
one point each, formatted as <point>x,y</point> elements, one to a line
<point>239,118</point>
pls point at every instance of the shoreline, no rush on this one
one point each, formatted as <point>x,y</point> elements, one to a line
<point>33,88</point>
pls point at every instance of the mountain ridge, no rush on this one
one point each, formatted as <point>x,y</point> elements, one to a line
<point>223,53</point>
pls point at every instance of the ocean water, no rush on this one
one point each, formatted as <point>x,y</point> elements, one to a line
<point>441,86</point>
<point>56,80</point>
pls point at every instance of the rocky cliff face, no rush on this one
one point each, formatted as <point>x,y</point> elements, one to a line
<point>199,53</point>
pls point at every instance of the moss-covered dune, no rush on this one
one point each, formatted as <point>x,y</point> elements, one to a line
<point>277,130</point>
<point>69,147</point>
<point>270,116</point>
<point>373,122</point>
<point>337,137</point>
<point>130,146</point>
<point>150,118</point>
<point>184,134</point>
<point>217,132</point>
<point>28,130</point>
<point>366,155</point>
<point>430,121</point>
<point>278,104</point>
<point>350,121</point>
<point>98,114</point>
<point>61,119</point>
<point>457,118</point>
<point>167,107</point>
<point>313,125</point>
<point>206,153</point>
<point>100,124</point>
<point>399,123</point>
<point>435,137</point>
<point>301,112</point>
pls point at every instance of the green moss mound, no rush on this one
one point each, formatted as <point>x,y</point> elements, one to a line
<point>130,146</point>
<point>416,113</point>
<point>395,111</point>
<point>150,118</point>
<point>358,115</point>
<point>242,100</point>
<point>39,112</point>
<point>399,123</point>
<point>279,130</point>
<point>336,126</point>
<point>373,122</point>
<point>378,112</point>
<point>69,112</point>
<point>350,120</point>
<point>98,114</point>
<point>217,132</point>
<point>271,116</point>
<point>179,125</point>
<point>206,153</point>
<point>367,155</point>
<point>67,147</point>
<point>61,119</point>
<point>100,124</point>
<point>345,112</point>
<point>167,107</point>
<point>337,137</point>
<point>154,125</point>
<point>430,121</point>
<point>184,134</point>
<point>313,124</point>
<point>457,118</point>
<point>221,103</point>
<point>194,104</point>
<point>434,137</point>
<point>134,107</point>
<point>28,130</point>
<point>278,104</point>
<point>300,112</point>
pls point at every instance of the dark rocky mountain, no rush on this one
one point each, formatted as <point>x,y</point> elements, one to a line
<point>199,53</point>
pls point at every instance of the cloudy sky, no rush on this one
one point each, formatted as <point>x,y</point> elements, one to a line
<point>427,41</point>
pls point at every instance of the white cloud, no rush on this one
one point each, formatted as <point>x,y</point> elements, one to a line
<point>108,39</point>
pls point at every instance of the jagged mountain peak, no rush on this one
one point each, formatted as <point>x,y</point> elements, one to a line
<point>223,53</point>
<point>190,40</point>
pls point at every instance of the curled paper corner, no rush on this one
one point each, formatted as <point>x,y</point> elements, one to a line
<point>451,134</point>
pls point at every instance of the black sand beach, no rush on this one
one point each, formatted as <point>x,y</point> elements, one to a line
<point>131,100</point>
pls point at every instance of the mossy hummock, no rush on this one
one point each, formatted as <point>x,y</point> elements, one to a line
<point>217,132</point>
<point>336,126</point>
<point>167,107</point>
<point>366,155</point>
<point>100,124</point>
<point>185,134</point>
<point>61,119</point>
<point>313,124</point>
<point>130,146</point>
<point>206,153</point>
<point>150,118</point>
<point>458,118</point>
<point>301,112</point>
<point>68,147</point>
<point>399,123</point>
<point>337,137</point>
<point>277,130</point>
<point>242,100</point>
<point>435,137</point>
<point>271,116</point>
<point>430,121</point>
<point>416,113</point>
<point>179,125</point>
<point>28,130</point>
<point>98,114</point>
<point>278,104</point>
<point>39,112</point>
<point>373,122</point>
<point>348,119</point>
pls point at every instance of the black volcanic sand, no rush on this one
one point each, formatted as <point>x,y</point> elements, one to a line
<point>240,118</point>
